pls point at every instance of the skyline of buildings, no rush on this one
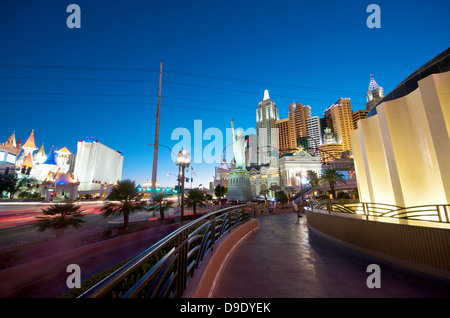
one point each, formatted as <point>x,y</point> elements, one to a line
<point>320,83</point>
<point>298,143</point>
<point>329,134</point>
<point>96,88</point>
<point>281,136</point>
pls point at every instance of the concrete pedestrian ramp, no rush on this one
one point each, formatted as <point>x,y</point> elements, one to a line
<point>283,259</point>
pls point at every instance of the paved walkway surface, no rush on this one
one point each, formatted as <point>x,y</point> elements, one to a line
<point>284,260</point>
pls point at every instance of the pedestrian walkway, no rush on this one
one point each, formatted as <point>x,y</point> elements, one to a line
<point>284,260</point>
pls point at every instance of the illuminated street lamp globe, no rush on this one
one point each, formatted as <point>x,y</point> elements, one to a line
<point>147,184</point>
<point>183,158</point>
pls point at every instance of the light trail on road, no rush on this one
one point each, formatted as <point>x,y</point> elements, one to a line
<point>23,213</point>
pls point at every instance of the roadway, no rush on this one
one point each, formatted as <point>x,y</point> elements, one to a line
<point>21,245</point>
<point>17,222</point>
<point>22,213</point>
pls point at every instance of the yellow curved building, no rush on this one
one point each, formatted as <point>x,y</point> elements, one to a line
<point>402,148</point>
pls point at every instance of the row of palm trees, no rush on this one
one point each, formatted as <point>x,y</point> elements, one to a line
<point>330,177</point>
<point>124,199</point>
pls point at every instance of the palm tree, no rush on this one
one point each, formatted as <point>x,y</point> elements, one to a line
<point>125,199</point>
<point>313,180</point>
<point>220,191</point>
<point>59,217</point>
<point>161,203</point>
<point>195,198</point>
<point>332,177</point>
<point>264,192</point>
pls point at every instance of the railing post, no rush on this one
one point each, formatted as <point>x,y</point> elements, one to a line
<point>229,217</point>
<point>438,210</point>
<point>366,212</point>
<point>213,229</point>
<point>182,247</point>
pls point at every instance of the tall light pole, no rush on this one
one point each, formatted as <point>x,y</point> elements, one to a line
<point>155,152</point>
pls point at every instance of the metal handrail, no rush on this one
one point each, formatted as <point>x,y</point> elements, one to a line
<point>430,213</point>
<point>183,251</point>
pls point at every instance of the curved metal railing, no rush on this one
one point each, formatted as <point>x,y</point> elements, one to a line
<point>432,212</point>
<point>165,269</point>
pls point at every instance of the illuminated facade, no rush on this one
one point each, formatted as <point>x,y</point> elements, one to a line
<point>266,117</point>
<point>341,116</point>
<point>294,167</point>
<point>96,164</point>
<point>402,148</point>
<point>251,153</point>
<point>265,177</point>
<point>298,114</point>
<point>95,168</point>
<point>9,152</point>
<point>285,138</point>
<point>358,115</point>
<point>37,164</point>
<point>330,152</point>
<point>314,131</point>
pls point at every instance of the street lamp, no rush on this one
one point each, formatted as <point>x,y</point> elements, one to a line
<point>183,161</point>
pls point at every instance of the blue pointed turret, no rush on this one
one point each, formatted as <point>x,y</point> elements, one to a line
<point>51,159</point>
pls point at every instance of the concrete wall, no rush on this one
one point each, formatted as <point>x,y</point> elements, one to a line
<point>421,246</point>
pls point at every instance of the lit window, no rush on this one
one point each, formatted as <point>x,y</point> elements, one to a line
<point>2,155</point>
<point>11,158</point>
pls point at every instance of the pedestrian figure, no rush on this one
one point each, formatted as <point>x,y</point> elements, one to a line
<point>296,209</point>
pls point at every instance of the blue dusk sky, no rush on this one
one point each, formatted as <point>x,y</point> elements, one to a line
<point>101,80</point>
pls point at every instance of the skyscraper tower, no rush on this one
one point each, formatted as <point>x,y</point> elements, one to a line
<point>374,94</point>
<point>341,116</point>
<point>314,131</point>
<point>266,117</point>
<point>298,114</point>
<point>285,139</point>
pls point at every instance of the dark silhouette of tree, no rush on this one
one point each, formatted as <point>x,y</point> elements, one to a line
<point>59,217</point>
